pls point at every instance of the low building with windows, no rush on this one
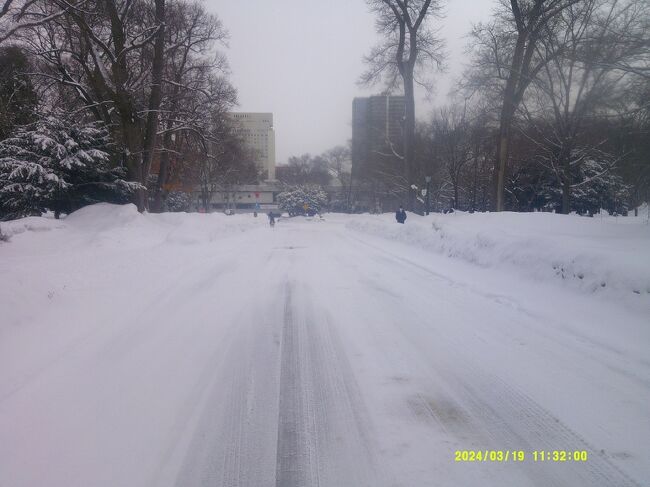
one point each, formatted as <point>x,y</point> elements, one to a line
<point>247,197</point>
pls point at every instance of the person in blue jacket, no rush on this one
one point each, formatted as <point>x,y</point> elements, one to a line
<point>400,215</point>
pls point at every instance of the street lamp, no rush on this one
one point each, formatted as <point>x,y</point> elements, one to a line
<point>428,181</point>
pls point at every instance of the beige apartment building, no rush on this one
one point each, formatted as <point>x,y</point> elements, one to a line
<point>257,130</point>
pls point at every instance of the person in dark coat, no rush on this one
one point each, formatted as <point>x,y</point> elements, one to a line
<point>271,218</point>
<point>400,215</point>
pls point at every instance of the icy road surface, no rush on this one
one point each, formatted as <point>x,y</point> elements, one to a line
<point>306,355</point>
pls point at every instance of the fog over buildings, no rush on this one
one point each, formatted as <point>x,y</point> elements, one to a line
<point>301,60</point>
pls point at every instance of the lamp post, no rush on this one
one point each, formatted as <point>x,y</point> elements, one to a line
<point>428,195</point>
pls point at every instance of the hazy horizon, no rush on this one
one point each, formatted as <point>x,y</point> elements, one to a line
<point>301,61</point>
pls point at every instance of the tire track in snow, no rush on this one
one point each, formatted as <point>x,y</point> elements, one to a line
<point>294,467</point>
<point>323,433</point>
<point>233,441</point>
<point>293,463</point>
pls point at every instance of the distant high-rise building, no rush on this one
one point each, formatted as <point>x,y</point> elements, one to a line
<point>257,131</point>
<point>377,135</point>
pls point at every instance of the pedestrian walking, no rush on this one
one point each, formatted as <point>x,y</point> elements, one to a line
<point>400,215</point>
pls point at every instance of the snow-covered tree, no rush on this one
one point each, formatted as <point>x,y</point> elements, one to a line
<point>297,198</point>
<point>598,186</point>
<point>178,201</point>
<point>595,184</point>
<point>58,164</point>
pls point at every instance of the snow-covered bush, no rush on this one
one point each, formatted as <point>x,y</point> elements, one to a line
<point>599,187</point>
<point>595,186</point>
<point>58,164</point>
<point>178,201</point>
<point>303,199</point>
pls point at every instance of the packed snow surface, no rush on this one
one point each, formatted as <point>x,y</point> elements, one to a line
<point>211,350</point>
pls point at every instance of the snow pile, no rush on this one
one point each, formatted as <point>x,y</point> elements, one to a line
<point>29,224</point>
<point>594,254</point>
<point>105,224</point>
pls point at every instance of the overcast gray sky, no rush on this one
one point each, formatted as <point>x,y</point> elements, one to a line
<point>300,59</point>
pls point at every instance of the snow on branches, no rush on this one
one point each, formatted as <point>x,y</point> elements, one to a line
<point>303,199</point>
<point>57,164</point>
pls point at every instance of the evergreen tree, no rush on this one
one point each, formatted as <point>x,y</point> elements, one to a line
<point>58,164</point>
<point>599,187</point>
<point>177,201</point>
<point>296,199</point>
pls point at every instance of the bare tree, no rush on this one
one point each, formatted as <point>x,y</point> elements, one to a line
<point>585,83</point>
<point>110,54</point>
<point>409,47</point>
<point>223,161</point>
<point>195,87</point>
<point>155,98</point>
<point>451,134</point>
<point>148,69</point>
<point>506,53</point>
<point>339,163</point>
<point>631,29</point>
<point>16,15</point>
<point>305,169</point>
<point>6,5</point>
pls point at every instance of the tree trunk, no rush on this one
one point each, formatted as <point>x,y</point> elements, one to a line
<point>475,189</point>
<point>507,114</point>
<point>163,171</point>
<point>155,98</point>
<point>500,169</point>
<point>566,189</point>
<point>131,157</point>
<point>409,135</point>
<point>160,183</point>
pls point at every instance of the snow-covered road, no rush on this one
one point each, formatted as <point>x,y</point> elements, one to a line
<point>307,355</point>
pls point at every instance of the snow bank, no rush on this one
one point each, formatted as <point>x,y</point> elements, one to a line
<point>29,224</point>
<point>600,254</point>
<point>643,212</point>
<point>595,254</point>
<point>107,224</point>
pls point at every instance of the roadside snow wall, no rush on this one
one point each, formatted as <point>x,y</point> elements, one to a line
<point>595,254</point>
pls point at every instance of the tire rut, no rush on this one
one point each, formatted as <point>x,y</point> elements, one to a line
<point>324,438</point>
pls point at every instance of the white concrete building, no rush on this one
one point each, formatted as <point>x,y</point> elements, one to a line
<point>257,130</point>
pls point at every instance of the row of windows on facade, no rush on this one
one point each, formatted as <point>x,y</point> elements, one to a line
<point>248,132</point>
<point>240,115</point>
